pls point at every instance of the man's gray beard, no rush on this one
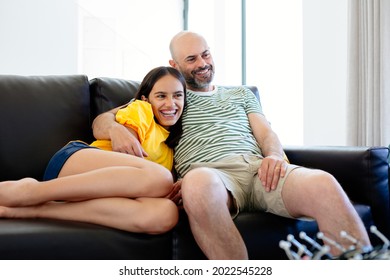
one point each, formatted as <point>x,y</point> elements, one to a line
<point>193,83</point>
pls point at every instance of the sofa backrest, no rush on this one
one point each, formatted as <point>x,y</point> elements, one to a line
<point>108,93</point>
<point>38,115</point>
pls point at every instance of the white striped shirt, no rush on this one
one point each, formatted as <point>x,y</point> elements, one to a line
<point>216,125</point>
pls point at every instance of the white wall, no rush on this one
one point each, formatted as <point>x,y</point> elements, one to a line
<point>117,38</point>
<point>38,37</point>
<point>125,39</point>
<point>324,71</point>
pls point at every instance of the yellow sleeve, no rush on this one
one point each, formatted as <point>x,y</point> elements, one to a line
<point>138,115</point>
<point>102,144</point>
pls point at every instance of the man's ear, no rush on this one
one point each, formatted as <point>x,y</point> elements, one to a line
<point>172,63</point>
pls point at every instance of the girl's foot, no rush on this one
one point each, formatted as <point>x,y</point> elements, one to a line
<point>17,193</point>
<point>3,212</point>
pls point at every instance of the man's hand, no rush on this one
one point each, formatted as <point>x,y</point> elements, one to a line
<point>271,170</point>
<point>125,140</point>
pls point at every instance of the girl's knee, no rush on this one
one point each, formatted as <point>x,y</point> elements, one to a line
<point>164,178</point>
<point>162,219</point>
<point>160,181</point>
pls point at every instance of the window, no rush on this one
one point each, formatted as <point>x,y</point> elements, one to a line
<point>125,39</point>
<point>274,56</point>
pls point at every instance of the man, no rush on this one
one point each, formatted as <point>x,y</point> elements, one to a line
<point>231,160</point>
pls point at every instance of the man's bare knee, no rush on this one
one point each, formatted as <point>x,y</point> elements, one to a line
<point>203,191</point>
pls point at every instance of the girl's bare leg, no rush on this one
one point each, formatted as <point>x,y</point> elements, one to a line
<point>90,174</point>
<point>144,215</point>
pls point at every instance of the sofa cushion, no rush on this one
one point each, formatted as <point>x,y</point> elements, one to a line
<point>44,239</point>
<point>38,115</point>
<point>108,93</point>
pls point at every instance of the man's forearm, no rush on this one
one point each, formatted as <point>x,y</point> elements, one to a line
<point>272,146</point>
<point>123,139</point>
<point>102,125</point>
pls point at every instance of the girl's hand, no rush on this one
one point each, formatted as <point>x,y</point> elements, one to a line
<point>175,194</point>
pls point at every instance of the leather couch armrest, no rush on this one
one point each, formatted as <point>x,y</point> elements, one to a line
<point>362,172</point>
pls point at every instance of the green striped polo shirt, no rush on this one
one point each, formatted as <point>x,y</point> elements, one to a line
<point>216,125</point>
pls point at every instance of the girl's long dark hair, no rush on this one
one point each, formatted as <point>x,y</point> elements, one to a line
<point>145,88</point>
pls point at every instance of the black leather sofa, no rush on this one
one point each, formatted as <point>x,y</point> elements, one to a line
<point>39,114</point>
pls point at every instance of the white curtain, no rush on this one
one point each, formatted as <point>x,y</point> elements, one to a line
<point>368,83</point>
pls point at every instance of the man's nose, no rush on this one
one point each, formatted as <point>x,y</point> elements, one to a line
<point>201,63</point>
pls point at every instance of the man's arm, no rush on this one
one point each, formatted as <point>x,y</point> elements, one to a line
<point>123,140</point>
<point>274,165</point>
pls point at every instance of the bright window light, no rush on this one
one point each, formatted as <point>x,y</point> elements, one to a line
<point>125,39</point>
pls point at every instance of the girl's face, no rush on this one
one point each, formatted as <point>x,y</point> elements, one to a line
<point>167,100</point>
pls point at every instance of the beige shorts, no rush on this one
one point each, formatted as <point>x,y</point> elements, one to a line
<point>239,174</point>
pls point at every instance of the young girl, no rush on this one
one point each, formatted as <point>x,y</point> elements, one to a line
<point>89,183</point>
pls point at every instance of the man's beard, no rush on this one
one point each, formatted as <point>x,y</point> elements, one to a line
<point>193,82</point>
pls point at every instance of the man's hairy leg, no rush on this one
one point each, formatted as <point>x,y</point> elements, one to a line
<point>317,194</point>
<point>206,202</point>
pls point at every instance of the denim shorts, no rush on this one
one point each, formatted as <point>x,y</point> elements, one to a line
<point>58,160</point>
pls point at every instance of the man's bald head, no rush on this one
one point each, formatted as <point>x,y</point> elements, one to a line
<point>183,40</point>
